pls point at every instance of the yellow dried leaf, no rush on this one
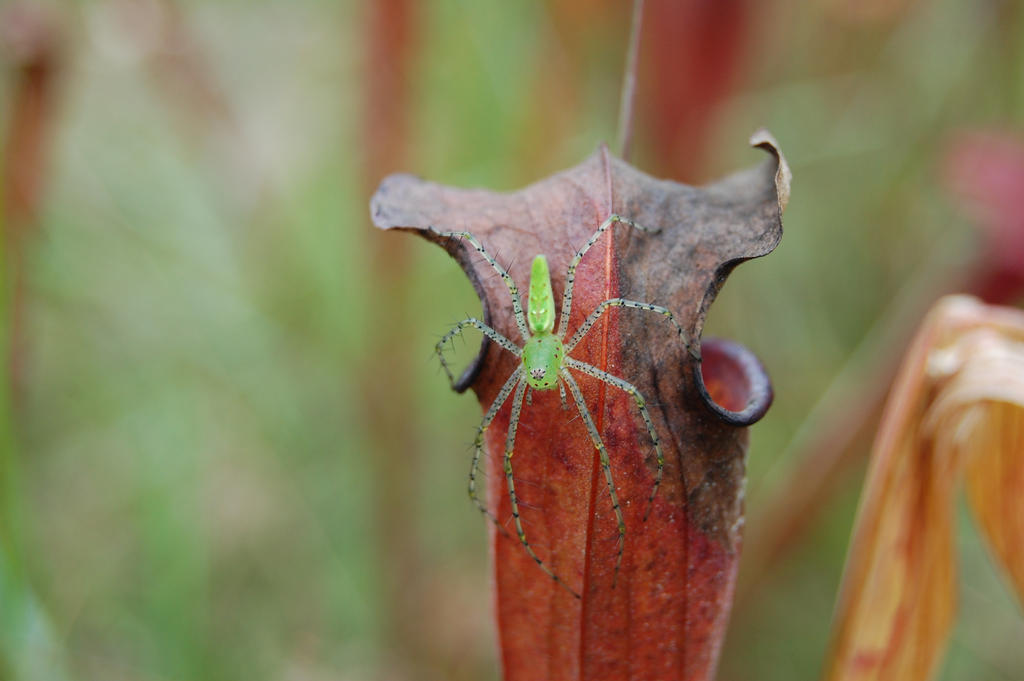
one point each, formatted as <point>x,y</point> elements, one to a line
<point>996,491</point>
<point>957,402</point>
<point>980,413</point>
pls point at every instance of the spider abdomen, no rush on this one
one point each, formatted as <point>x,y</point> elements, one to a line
<point>542,360</point>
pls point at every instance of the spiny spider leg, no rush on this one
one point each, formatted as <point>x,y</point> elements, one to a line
<point>513,425</point>
<point>486,330</point>
<point>561,395</point>
<point>622,302</point>
<point>605,464</point>
<point>641,404</point>
<point>516,305</point>
<point>570,276</point>
<point>478,445</point>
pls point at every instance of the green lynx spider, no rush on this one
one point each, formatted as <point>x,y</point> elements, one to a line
<point>545,362</point>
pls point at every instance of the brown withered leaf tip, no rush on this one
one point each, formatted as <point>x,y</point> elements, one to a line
<point>679,566</point>
<point>705,232</point>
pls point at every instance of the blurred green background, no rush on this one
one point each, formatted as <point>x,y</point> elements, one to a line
<point>227,450</point>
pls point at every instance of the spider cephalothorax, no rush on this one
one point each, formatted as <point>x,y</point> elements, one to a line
<point>545,360</point>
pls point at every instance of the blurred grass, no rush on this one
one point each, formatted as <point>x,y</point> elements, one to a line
<point>195,473</point>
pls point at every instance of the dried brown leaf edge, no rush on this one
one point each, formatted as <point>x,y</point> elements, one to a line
<point>956,410</point>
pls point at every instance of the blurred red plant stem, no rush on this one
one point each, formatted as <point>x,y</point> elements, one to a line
<point>693,50</point>
<point>629,82</point>
<point>987,171</point>
<point>389,50</point>
<point>28,43</point>
<point>28,38</point>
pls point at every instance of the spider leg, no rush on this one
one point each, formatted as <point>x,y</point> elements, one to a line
<point>478,444</point>
<point>486,330</point>
<point>641,404</point>
<point>622,302</point>
<point>570,276</point>
<point>605,464</point>
<point>561,395</point>
<point>517,307</point>
<point>513,425</point>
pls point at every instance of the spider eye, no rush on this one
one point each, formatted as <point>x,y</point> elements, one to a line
<point>537,373</point>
